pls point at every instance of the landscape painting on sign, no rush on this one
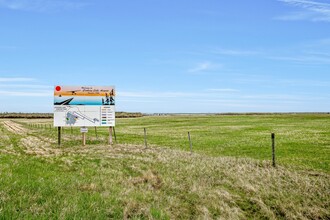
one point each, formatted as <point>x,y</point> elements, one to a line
<point>84,95</point>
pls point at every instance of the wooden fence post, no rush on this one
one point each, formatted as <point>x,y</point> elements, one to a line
<point>273,150</point>
<point>190,143</point>
<point>145,138</point>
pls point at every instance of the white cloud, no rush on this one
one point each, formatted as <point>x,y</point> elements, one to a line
<point>170,95</point>
<point>16,79</point>
<point>208,101</point>
<point>22,87</point>
<point>314,52</point>
<point>26,93</point>
<point>272,97</point>
<point>295,16</point>
<point>308,10</point>
<point>305,83</point>
<point>204,67</point>
<point>222,90</point>
<point>234,52</point>
<point>28,86</point>
<point>304,59</point>
<point>42,5</point>
<point>155,94</point>
<point>159,95</point>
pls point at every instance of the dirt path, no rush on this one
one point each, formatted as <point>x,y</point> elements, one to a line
<point>31,144</point>
<point>14,127</point>
<point>44,146</point>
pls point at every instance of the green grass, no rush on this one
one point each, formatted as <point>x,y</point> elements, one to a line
<point>301,140</point>
<point>229,176</point>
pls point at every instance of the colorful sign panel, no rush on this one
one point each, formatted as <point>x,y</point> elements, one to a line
<point>84,106</point>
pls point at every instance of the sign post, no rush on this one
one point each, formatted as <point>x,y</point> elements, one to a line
<point>95,132</point>
<point>84,139</point>
<point>84,130</point>
<point>114,133</point>
<point>59,136</point>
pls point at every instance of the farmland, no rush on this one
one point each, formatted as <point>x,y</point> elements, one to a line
<point>228,175</point>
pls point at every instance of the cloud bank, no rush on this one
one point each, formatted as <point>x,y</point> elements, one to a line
<point>307,10</point>
<point>42,5</point>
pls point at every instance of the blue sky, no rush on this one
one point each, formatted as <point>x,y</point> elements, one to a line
<point>168,56</point>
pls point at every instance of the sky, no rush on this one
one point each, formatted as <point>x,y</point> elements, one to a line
<point>168,56</point>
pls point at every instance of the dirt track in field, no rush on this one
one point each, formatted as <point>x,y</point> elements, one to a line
<point>14,127</point>
<point>31,144</point>
<point>46,147</point>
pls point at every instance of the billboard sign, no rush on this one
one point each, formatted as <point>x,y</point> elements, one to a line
<point>84,106</point>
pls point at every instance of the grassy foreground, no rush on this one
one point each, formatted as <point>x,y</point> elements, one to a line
<point>38,179</point>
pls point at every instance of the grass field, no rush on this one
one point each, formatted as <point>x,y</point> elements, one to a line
<point>302,140</point>
<point>228,176</point>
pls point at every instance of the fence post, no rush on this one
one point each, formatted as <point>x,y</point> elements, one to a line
<point>273,150</point>
<point>190,143</point>
<point>145,138</point>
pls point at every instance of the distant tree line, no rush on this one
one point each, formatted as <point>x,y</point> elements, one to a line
<point>25,115</point>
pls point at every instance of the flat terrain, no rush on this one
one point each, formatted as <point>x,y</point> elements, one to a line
<point>301,140</point>
<point>229,175</point>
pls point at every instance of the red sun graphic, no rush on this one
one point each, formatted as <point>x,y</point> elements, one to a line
<point>58,88</point>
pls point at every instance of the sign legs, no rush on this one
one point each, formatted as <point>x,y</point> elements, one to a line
<point>59,135</point>
<point>84,138</point>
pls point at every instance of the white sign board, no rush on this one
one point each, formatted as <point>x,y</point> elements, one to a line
<point>83,130</point>
<point>84,106</point>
